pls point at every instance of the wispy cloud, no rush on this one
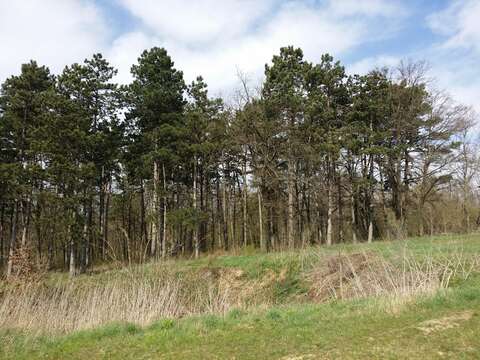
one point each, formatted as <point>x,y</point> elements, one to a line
<point>456,57</point>
<point>199,23</point>
<point>365,65</point>
<point>367,8</point>
<point>459,23</point>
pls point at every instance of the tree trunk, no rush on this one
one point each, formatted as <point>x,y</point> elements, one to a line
<point>72,265</point>
<point>329,216</point>
<point>290,209</point>
<point>26,215</point>
<point>105,215</point>
<point>244,200</point>
<point>384,206</point>
<point>72,269</point>
<point>260,220</point>
<point>101,213</point>
<point>340,208</point>
<point>164,232</point>
<point>2,238</point>
<point>354,221</point>
<point>370,221</point>
<point>421,228</point>
<point>13,239</point>
<point>85,237</point>
<point>370,199</point>
<point>224,217</point>
<point>143,223</point>
<point>154,210</point>
<point>196,243</point>
<point>271,227</point>
<point>370,231</point>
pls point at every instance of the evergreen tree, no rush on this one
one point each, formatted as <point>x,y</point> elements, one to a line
<point>22,104</point>
<point>157,108</point>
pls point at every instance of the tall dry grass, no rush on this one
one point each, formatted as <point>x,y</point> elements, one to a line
<point>141,295</point>
<point>394,282</point>
<point>134,297</point>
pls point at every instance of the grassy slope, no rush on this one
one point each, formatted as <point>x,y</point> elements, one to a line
<point>349,329</point>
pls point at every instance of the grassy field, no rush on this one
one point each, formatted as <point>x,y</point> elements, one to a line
<point>270,308</point>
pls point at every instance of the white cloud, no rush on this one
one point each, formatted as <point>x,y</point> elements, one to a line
<point>215,40</point>
<point>459,77</point>
<point>365,65</point>
<point>460,23</point>
<point>55,33</point>
<point>212,38</point>
<point>125,51</point>
<point>457,71</point>
<point>200,21</point>
<point>367,8</point>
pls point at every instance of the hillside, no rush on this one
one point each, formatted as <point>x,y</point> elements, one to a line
<point>404,299</point>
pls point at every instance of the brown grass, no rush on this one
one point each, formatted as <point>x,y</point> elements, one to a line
<point>367,275</point>
<point>134,297</point>
<point>142,295</point>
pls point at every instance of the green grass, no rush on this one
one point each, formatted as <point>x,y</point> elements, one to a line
<point>256,264</point>
<point>338,330</point>
<point>290,330</point>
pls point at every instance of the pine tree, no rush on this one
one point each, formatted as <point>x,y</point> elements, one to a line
<point>22,103</point>
<point>157,109</point>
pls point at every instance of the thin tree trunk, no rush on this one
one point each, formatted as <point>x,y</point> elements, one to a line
<point>73,254</point>
<point>218,217</point>
<point>421,228</point>
<point>84,245</point>
<point>370,199</point>
<point>143,223</point>
<point>370,231</point>
<point>260,220</point>
<point>2,238</point>
<point>154,211</point>
<point>271,229</point>
<point>164,232</point>
<point>384,205</point>
<point>101,213</point>
<point>233,218</point>
<point>72,265</point>
<point>244,198</point>
<point>13,239</point>
<point>354,221</point>
<point>329,215</point>
<point>225,217</point>
<point>106,207</point>
<point>290,231</point>
<point>340,208</point>
<point>26,215</point>
<point>196,243</point>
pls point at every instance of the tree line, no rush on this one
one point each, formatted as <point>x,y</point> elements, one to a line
<point>92,171</point>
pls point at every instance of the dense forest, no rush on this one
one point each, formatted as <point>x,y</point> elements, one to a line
<point>93,172</point>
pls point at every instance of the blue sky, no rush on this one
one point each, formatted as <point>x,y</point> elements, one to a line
<point>214,38</point>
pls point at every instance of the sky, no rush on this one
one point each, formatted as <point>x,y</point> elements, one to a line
<point>219,38</point>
